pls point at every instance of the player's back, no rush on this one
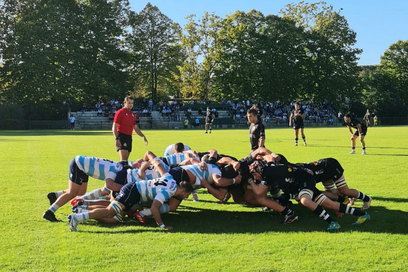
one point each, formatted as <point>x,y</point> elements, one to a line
<point>97,168</point>
<point>165,186</point>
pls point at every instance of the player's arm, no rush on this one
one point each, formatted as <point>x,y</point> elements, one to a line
<point>359,128</point>
<point>349,128</point>
<point>138,132</point>
<point>290,118</point>
<point>261,142</point>
<point>116,133</point>
<point>156,214</point>
<point>112,185</point>
<point>189,161</point>
<point>157,163</point>
<point>225,182</point>
<point>220,194</point>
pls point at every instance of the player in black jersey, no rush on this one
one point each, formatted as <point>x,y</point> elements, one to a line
<point>295,180</point>
<point>329,172</point>
<point>361,132</point>
<point>297,117</point>
<point>209,118</point>
<point>256,130</point>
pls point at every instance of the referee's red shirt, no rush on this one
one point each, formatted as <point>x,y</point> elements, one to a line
<point>125,120</point>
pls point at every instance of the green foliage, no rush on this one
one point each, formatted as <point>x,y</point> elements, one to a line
<point>11,116</point>
<point>156,55</point>
<point>207,236</point>
<point>62,49</point>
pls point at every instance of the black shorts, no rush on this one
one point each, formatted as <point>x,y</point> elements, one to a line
<point>179,174</point>
<point>76,175</point>
<point>332,171</point>
<point>125,142</point>
<point>121,177</point>
<point>363,131</point>
<point>298,124</point>
<point>128,195</point>
<point>309,184</point>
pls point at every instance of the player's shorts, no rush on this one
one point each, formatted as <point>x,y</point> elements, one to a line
<point>333,171</point>
<point>179,174</point>
<point>128,195</point>
<point>309,184</point>
<point>363,131</point>
<point>76,175</point>
<point>298,124</point>
<point>208,121</point>
<point>121,177</point>
<point>125,142</point>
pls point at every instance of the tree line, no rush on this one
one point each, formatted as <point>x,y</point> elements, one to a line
<point>83,51</point>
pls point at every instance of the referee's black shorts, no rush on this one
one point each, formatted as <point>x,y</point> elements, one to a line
<point>125,142</point>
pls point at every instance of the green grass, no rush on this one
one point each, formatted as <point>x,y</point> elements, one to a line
<point>206,236</point>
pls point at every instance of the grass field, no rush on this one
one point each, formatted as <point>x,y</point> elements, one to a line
<point>206,236</point>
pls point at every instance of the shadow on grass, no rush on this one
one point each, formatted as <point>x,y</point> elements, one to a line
<point>210,221</point>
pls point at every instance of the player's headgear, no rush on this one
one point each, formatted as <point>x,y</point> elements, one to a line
<point>256,166</point>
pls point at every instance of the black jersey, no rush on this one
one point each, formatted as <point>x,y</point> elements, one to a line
<point>289,178</point>
<point>209,117</point>
<point>324,169</point>
<point>256,132</point>
<point>354,123</point>
<point>298,120</point>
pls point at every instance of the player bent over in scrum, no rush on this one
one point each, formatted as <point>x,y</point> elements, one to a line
<point>80,168</point>
<point>159,190</point>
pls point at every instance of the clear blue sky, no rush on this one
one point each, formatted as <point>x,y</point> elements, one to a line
<point>378,23</point>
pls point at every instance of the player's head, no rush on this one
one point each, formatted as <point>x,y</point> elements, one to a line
<point>179,147</point>
<point>128,103</point>
<point>297,106</point>
<point>185,189</point>
<point>256,169</point>
<point>347,117</point>
<point>252,116</point>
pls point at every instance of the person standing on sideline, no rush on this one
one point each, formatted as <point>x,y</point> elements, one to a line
<point>361,132</point>
<point>375,120</point>
<point>256,130</point>
<point>366,118</point>
<point>72,121</point>
<point>208,120</point>
<point>186,123</point>
<point>123,125</point>
<point>297,117</point>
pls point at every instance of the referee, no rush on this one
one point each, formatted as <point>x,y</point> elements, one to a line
<point>123,125</point>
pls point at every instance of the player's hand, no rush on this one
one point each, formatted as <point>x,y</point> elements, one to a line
<point>352,137</point>
<point>145,140</point>
<point>203,166</point>
<point>117,143</point>
<point>236,166</point>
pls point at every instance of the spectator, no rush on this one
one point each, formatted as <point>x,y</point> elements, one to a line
<point>72,121</point>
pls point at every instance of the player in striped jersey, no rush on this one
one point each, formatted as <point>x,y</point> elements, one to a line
<point>176,158</point>
<point>158,190</point>
<point>176,148</point>
<point>80,168</point>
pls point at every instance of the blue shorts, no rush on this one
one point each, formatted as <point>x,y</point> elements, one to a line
<point>76,175</point>
<point>128,195</point>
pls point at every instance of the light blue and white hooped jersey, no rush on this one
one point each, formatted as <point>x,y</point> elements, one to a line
<point>160,189</point>
<point>177,158</point>
<point>171,150</point>
<point>203,174</point>
<point>151,173</point>
<point>98,168</point>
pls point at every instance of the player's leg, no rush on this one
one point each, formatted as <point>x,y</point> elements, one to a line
<point>296,136</point>
<point>362,143</point>
<point>305,198</point>
<point>343,188</point>
<point>353,142</point>
<point>303,135</point>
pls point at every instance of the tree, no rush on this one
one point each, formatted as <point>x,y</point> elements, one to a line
<point>394,63</point>
<point>331,70</point>
<point>59,50</point>
<point>156,53</point>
